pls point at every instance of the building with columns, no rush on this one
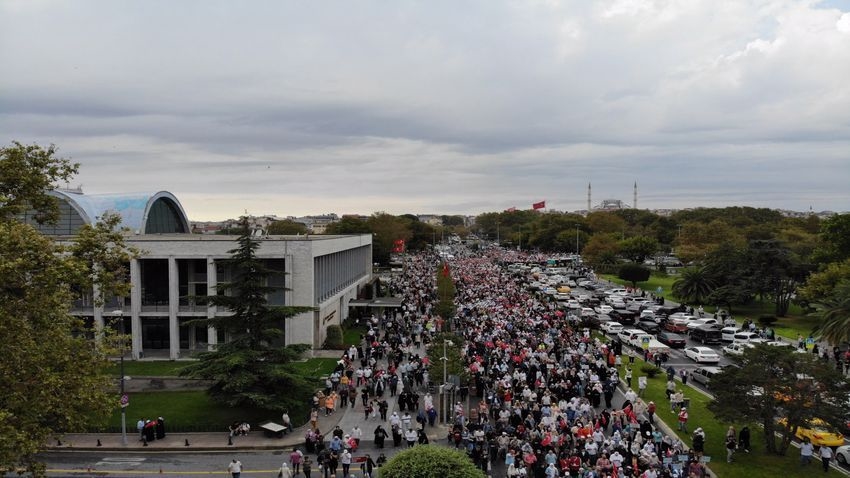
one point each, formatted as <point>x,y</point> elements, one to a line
<point>322,272</point>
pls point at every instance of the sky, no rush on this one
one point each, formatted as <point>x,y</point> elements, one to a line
<point>448,107</point>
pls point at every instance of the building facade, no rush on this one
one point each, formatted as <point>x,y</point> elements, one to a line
<point>175,267</point>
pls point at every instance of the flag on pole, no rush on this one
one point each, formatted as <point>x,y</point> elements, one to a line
<point>445,269</point>
<point>398,246</point>
<point>538,205</point>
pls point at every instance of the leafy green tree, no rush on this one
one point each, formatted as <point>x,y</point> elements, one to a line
<point>821,285</point>
<point>835,233</point>
<point>387,229</point>
<point>637,249</point>
<point>772,382</point>
<point>252,369</point>
<point>694,285</point>
<point>633,273</point>
<point>833,313</point>
<point>429,461</point>
<point>600,250</point>
<point>287,227</point>
<point>52,370</point>
<point>775,272</point>
<point>445,307</point>
<point>348,225</point>
<point>455,363</point>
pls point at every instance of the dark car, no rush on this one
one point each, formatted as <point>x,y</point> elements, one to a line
<point>623,316</point>
<point>648,326</point>
<point>672,339</point>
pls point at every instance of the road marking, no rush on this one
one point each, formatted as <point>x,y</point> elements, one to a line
<point>150,472</point>
<point>127,461</point>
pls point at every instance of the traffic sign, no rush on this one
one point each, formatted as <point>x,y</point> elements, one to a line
<point>125,400</point>
<point>810,343</point>
<point>644,342</point>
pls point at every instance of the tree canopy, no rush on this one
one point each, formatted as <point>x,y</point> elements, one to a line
<point>253,368</point>
<point>52,369</point>
<point>427,461</point>
<point>286,227</point>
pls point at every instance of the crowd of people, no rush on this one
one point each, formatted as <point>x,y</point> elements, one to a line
<point>542,391</point>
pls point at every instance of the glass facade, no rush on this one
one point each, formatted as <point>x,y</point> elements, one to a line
<point>164,218</point>
<point>334,272</point>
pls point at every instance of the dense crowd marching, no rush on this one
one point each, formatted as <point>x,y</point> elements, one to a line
<point>537,380</point>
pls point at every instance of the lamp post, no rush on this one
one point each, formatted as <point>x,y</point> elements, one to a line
<point>577,238</point>
<point>120,314</point>
<point>445,360</point>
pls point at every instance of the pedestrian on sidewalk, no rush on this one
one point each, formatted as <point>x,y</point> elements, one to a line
<point>806,452</point>
<point>825,456</point>
<point>295,459</point>
<point>285,471</point>
<point>235,468</point>
<point>683,420</point>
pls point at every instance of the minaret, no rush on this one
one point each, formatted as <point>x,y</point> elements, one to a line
<point>588,198</point>
<point>634,202</point>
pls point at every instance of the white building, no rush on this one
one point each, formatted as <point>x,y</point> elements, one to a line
<point>323,272</point>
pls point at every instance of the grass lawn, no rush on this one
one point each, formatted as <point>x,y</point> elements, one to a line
<point>351,335</point>
<point>316,367</point>
<point>159,368</point>
<point>652,285</point>
<point>186,411</point>
<point>756,464</point>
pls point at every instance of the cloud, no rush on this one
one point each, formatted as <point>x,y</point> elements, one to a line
<point>448,107</point>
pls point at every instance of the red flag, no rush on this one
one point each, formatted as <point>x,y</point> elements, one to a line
<point>539,205</point>
<point>445,269</point>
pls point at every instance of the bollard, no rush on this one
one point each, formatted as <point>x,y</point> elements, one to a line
<point>160,470</point>
<point>98,442</point>
<point>58,442</point>
<point>187,442</point>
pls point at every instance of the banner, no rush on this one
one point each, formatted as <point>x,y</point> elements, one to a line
<point>398,246</point>
<point>538,205</point>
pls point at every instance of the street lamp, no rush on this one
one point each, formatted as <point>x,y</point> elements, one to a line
<point>445,360</point>
<point>577,238</point>
<point>120,314</point>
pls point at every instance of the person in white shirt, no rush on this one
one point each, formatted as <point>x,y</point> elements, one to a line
<point>345,461</point>
<point>235,468</point>
<point>356,434</point>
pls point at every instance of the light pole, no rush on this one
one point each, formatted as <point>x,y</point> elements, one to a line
<point>445,360</point>
<point>123,404</point>
<point>577,239</point>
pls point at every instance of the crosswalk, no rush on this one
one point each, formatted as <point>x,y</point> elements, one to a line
<point>120,461</point>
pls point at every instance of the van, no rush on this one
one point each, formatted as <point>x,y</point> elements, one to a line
<point>727,334</point>
<point>618,292</point>
<point>745,337</point>
<point>633,337</point>
<point>703,375</point>
<point>706,335</point>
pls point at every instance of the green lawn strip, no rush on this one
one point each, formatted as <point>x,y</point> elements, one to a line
<point>351,335</point>
<point>755,464</point>
<point>652,285</point>
<point>185,411</point>
<point>316,367</point>
<point>149,368</point>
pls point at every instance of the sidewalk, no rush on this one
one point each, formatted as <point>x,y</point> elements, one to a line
<point>346,418</point>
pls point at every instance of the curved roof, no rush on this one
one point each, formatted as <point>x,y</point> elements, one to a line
<point>134,208</point>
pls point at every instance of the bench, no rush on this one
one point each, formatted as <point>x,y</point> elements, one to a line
<point>272,429</point>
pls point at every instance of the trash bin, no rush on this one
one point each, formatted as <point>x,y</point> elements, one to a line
<point>686,403</point>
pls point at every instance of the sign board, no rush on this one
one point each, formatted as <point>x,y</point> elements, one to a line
<point>644,342</point>
<point>705,459</point>
<point>810,343</point>
<point>659,290</point>
<point>125,400</point>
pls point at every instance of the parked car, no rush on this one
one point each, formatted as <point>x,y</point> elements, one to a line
<point>672,339</point>
<point>611,328</point>
<point>818,432</point>
<point>727,334</point>
<point>623,316</point>
<point>604,309</point>
<point>649,326</point>
<point>842,454</point>
<point>700,322</point>
<point>737,348</point>
<point>702,375</point>
<point>633,337</point>
<point>745,337</point>
<point>702,355</point>
<point>706,334</point>
<point>675,327</point>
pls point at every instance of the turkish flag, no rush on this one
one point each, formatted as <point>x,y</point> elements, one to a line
<point>539,205</point>
<point>445,269</point>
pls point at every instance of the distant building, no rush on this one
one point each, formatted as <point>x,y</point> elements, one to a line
<point>323,272</point>
<point>431,219</point>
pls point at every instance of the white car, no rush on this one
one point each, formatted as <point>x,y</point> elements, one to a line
<point>588,312</point>
<point>702,355</point>
<point>611,328</point>
<point>604,309</point>
<point>842,454</point>
<point>727,334</point>
<point>700,322</point>
<point>745,337</point>
<point>573,304</point>
<point>560,296</point>
<point>737,348</point>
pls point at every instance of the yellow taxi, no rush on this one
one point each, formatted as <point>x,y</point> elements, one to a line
<point>818,432</point>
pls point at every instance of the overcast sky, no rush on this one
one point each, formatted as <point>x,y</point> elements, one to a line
<point>454,107</point>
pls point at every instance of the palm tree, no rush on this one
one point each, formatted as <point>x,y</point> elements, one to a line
<point>694,285</point>
<point>834,315</point>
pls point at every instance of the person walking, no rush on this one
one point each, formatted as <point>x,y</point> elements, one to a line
<point>295,459</point>
<point>235,468</point>
<point>744,439</point>
<point>825,455</point>
<point>683,419</point>
<point>730,447</point>
<point>629,376</point>
<point>806,452</point>
<point>345,461</point>
<point>285,471</point>
<point>307,466</point>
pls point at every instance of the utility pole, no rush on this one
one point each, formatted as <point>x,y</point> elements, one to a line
<point>124,403</point>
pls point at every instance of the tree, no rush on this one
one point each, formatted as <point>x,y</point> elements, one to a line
<point>52,369</point>
<point>835,233</point>
<point>833,313</point>
<point>428,461</point>
<point>775,272</point>
<point>821,285</point>
<point>252,369</point>
<point>287,227</point>
<point>693,285</point>
<point>637,249</point>
<point>772,382</point>
<point>633,273</point>
<point>455,363</point>
<point>601,250</point>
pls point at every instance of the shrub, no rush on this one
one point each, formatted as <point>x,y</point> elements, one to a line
<point>427,461</point>
<point>633,273</point>
<point>333,340</point>
<point>767,320</point>
<point>650,370</point>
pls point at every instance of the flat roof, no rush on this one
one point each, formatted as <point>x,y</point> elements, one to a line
<point>391,302</point>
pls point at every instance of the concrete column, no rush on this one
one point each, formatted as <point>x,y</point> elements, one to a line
<point>212,289</point>
<point>173,309</point>
<point>136,308</point>
<point>98,311</point>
